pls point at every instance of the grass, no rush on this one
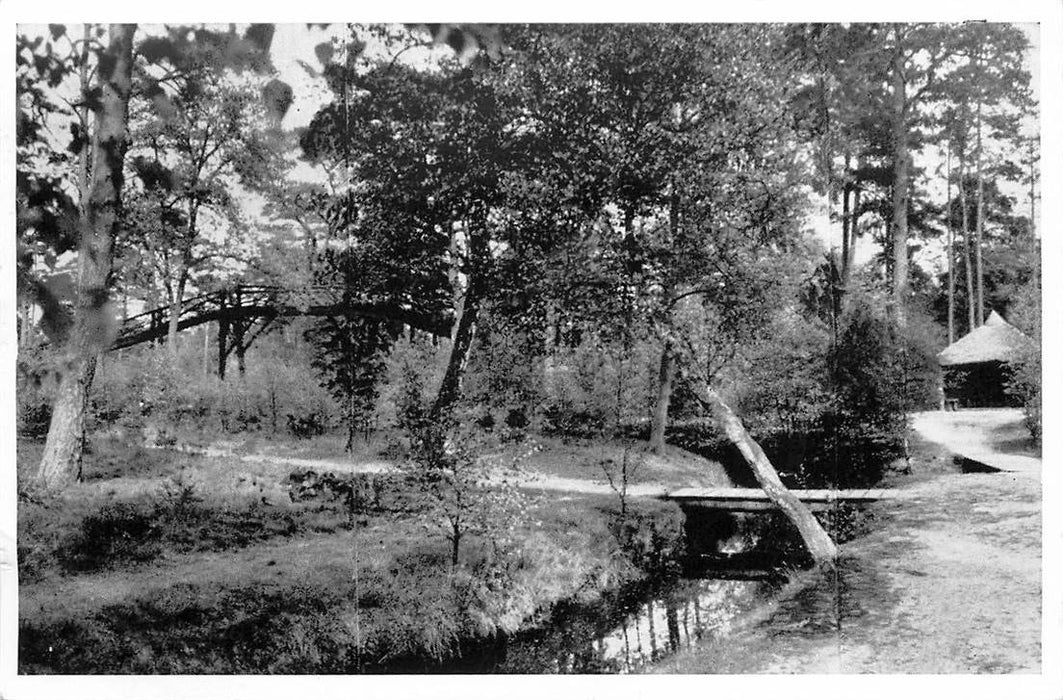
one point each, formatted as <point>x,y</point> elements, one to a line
<point>581,458</point>
<point>174,563</point>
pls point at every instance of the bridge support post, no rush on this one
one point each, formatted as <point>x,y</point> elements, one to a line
<point>223,341</point>
<point>241,329</point>
<point>240,347</point>
<point>223,337</point>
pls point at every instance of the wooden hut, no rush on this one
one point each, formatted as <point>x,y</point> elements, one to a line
<point>976,367</point>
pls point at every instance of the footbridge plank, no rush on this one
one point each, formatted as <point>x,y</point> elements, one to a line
<point>752,499</point>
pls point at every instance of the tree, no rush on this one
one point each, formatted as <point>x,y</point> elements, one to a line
<point>90,332</point>
<point>427,152</point>
<point>703,198</point>
<point>200,131</point>
<point>58,218</point>
<point>349,352</point>
<point>816,539</point>
<point>989,73</point>
<point>53,75</point>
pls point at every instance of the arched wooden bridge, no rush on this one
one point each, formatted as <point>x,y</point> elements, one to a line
<point>245,312</point>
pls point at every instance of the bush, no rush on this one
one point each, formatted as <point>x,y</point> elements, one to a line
<point>360,494</point>
<point>33,420</point>
<point>652,538</point>
<point>830,407</point>
<point>117,533</point>
<point>145,386</point>
<point>1025,385</point>
<point>568,421</point>
<point>1025,382</point>
<point>306,426</point>
<point>36,383</point>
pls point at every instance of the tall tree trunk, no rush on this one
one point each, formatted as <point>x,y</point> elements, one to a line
<point>967,260</point>
<point>1033,186</point>
<point>350,419</point>
<point>176,306</point>
<point>666,374</point>
<point>951,253</point>
<point>223,345</point>
<point>846,235</point>
<point>83,117</point>
<point>979,276</point>
<point>854,234</point>
<point>816,539</point>
<point>206,349</point>
<point>665,380</point>
<point>899,219</point>
<point>92,329</point>
<point>450,388</point>
<point>25,325</point>
<point>240,343</point>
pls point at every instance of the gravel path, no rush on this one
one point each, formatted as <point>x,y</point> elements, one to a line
<point>994,437</point>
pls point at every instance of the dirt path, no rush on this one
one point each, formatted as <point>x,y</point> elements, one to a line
<point>949,581</point>
<point>995,437</point>
<point>527,479</point>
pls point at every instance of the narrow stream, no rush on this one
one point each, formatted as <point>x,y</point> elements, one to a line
<point>620,634</point>
<point>686,613</point>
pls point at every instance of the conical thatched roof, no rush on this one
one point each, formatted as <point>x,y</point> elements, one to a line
<point>997,340</point>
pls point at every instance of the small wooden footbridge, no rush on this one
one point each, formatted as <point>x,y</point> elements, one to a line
<point>751,500</point>
<point>244,312</point>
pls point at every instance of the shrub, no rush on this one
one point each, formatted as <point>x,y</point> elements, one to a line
<point>568,421</point>
<point>652,538</point>
<point>33,419</point>
<point>307,425</point>
<point>34,393</point>
<point>1025,382</point>
<point>118,532</point>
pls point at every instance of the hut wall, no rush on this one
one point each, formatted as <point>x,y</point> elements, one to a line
<point>979,385</point>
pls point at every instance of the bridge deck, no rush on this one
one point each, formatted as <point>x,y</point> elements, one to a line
<point>749,500</point>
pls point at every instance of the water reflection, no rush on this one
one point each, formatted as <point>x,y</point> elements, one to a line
<point>632,635</point>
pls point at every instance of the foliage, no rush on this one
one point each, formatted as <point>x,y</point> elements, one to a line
<point>307,425</point>
<point>829,406</point>
<point>360,494</point>
<point>1026,379</point>
<point>349,352</point>
<point>879,373</point>
<point>466,494</point>
<point>148,388</point>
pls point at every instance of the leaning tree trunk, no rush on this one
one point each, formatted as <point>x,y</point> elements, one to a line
<point>899,218</point>
<point>816,539</point>
<point>92,329</point>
